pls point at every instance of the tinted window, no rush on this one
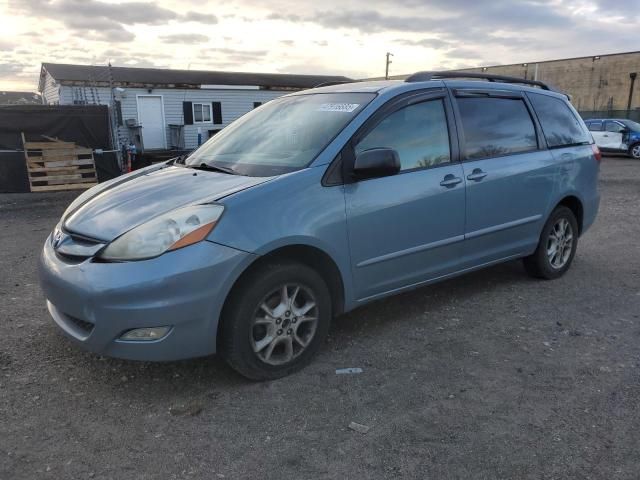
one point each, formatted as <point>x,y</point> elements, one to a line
<point>559,124</point>
<point>496,126</point>
<point>595,126</point>
<point>418,133</point>
<point>613,127</point>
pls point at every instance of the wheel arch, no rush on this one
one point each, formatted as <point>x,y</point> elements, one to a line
<point>311,256</point>
<point>573,203</point>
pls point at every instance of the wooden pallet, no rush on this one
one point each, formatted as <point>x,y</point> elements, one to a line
<point>57,165</point>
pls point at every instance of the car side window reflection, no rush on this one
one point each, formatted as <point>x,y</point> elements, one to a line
<point>419,134</point>
<point>614,127</point>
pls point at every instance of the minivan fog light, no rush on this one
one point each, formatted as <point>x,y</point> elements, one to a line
<point>145,334</point>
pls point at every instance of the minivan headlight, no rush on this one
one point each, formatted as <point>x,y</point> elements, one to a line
<point>170,231</point>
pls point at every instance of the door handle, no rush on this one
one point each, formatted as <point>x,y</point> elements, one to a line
<point>450,181</point>
<point>476,175</point>
<point>606,136</point>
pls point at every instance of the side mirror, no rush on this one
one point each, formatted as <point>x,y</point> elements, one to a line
<point>377,162</point>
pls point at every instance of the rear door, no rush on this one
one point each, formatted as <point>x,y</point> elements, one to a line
<point>509,178</point>
<point>407,228</point>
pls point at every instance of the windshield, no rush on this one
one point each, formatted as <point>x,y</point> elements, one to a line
<point>281,136</point>
<point>635,126</point>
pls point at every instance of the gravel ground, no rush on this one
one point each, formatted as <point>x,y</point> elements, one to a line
<point>491,375</point>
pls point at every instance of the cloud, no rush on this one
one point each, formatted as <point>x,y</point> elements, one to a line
<point>105,21</point>
<point>287,43</point>
<point>67,11</point>
<point>7,45</point>
<point>625,8</point>
<point>200,18</point>
<point>8,70</point>
<point>435,43</point>
<point>314,68</point>
<point>185,38</point>
<point>233,57</point>
<point>463,53</point>
<point>101,29</point>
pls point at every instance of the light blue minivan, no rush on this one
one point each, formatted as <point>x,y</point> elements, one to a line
<point>314,204</point>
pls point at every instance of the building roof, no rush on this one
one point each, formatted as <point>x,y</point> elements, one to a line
<point>20,98</point>
<point>129,76</point>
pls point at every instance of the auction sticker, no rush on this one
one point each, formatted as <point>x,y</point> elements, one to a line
<point>338,107</point>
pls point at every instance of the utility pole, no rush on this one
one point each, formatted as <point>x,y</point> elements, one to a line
<point>386,70</point>
<point>632,76</point>
<point>113,122</point>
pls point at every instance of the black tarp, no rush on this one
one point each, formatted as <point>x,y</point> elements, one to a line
<point>87,126</point>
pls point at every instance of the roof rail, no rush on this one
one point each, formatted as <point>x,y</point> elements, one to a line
<point>426,76</point>
<point>337,82</point>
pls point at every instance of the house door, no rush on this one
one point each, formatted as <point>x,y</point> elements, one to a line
<point>151,119</point>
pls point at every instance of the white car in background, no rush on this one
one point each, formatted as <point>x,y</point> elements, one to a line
<point>616,135</point>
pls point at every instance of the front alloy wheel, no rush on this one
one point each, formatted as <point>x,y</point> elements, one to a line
<point>634,151</point>
<point>284,324</point>
<point>275,320</point>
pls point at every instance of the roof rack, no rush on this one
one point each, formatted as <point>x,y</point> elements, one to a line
<point>426,76</point>
<point>337,82</point>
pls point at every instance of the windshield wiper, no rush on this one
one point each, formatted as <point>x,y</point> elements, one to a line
<point>213,168</point>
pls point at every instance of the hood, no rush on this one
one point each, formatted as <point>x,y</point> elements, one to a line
<point>122,205</point>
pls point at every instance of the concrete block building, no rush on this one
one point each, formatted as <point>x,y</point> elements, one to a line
<point>603,83</point>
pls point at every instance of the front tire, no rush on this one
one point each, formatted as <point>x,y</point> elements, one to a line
<point>634,151</point>
<point>557,246</point>
<point>275,320</point>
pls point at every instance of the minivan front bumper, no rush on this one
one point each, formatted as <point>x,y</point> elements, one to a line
<point>94,303</point>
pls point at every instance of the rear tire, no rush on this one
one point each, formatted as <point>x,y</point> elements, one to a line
<point>557,246</point>
<point>275,320</point>
<point>634,151</point>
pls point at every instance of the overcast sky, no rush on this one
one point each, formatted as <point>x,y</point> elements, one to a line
<point>297,36</point>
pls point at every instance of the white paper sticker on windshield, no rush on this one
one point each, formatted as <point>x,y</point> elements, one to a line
<point>338,107</point>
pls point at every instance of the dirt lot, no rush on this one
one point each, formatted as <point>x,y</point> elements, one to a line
<point>491,375</point>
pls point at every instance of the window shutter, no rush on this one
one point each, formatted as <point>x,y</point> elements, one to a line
<point>187,110</point>
<point>118,106</point>
<point>217,112</point>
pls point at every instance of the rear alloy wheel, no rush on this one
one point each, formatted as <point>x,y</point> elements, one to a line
<point>634,151</point>
<point>556,247</point>
<point>275,320</point>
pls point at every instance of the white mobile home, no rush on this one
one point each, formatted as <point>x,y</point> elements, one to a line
<point>161,109</point>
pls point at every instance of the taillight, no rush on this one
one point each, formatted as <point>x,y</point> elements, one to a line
<point>596,152</point>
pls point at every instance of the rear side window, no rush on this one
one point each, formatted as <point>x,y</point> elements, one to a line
<point>595,126</point>
<point>559,125</point>
<point>495,127</point>
<point>418,133</point>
